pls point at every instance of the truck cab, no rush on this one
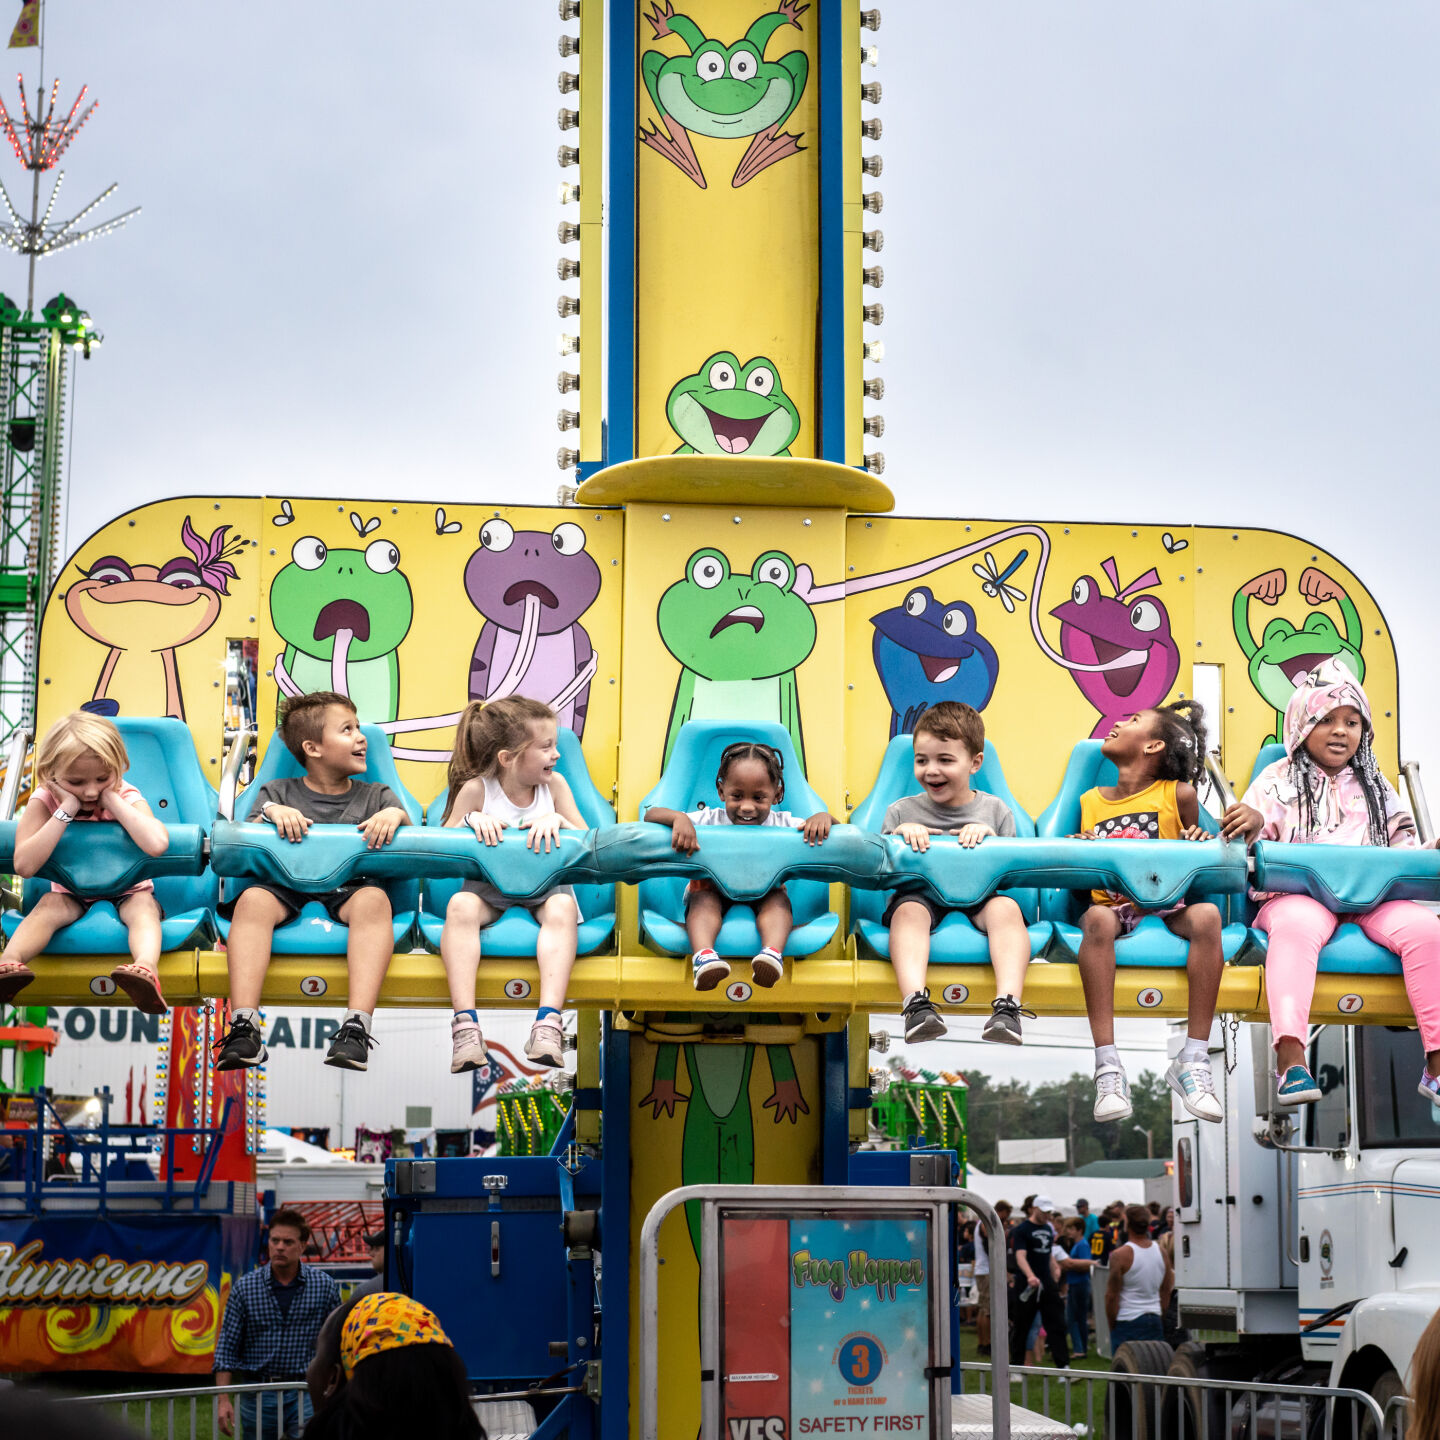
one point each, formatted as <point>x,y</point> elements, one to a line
<point>1304,1231</point>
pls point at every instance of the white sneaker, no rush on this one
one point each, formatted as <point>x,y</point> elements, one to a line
<point>467,1046</point>
<point>1194,1083</point>
<point>1112,1094</point>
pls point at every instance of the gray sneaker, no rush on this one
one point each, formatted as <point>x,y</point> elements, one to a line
<point>467,1046</point>
<point>546,1045</point>
<point>922,1020</point>
<point>1003,1026</point>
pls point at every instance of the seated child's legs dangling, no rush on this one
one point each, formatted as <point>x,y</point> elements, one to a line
<point>555,948</point>
<point>910,925</point>
<point>53,911</point>
<point>774,920</point>
<point>1298,928</point>
<point>1189,1074</point>
<point>1099,928</point>
<point>1413,933</point>
<point>140,979</point>
<point>704,914</point>
<point>1002,923</point>
<point>465,915</point>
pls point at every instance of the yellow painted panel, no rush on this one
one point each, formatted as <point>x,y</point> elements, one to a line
<point>1011,660</point>
<point>707,205</point>
<point>708,479</point>
<point>85,980</point>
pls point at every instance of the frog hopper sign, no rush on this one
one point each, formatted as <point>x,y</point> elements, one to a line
<point>825,1327</point>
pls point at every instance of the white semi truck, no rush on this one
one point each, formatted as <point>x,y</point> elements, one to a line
<point>1312,1235</point>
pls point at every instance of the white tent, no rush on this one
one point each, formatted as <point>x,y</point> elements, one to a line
<point>1064,1190</point>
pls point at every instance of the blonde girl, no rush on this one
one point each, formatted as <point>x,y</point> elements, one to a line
<point>502,776</point>
<point>78,777</point>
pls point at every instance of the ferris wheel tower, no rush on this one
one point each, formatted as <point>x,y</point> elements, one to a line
<point>35,352</point>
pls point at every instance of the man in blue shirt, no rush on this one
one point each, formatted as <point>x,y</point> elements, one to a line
<point>1092,1222</point>
<point>272,1319</point>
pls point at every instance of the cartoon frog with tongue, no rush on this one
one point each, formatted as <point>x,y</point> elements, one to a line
<point>739,640</point>
<point>1119,651</point>
<point>343,615</point>
<point>727,408</point>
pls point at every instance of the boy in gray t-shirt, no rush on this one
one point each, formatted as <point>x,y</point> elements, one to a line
<point>323,732</point>
<point>949,745</point>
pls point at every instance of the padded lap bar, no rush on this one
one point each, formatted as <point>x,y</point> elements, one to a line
<point>1156,873</point>
<point>1347,879</point>
<point>103,860</point>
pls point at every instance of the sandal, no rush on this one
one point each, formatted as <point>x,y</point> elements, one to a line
<point>15,975</point>
<point>143,988</point>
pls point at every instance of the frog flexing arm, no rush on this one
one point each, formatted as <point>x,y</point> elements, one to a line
<point>1284,656</point>
<point>723,92</point>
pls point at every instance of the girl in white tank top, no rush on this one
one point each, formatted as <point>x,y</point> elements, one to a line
<point>502,777</point>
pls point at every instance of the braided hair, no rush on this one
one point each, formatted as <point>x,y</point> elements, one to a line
<point>1309,779</point>
<point>1182,728</point>
<point>767,755</point>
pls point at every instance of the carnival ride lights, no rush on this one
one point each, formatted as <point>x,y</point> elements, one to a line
<point>39,140</point>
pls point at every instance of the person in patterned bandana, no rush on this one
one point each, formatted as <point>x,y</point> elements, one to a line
<point>401,1376</point>
<point>1159,755</point>
<point>1329,791</point>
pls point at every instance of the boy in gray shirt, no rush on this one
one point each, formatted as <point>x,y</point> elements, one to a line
<point>323,732</point>
<point>949,744</point>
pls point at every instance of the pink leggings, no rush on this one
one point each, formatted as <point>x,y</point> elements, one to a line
<point>1298,926</point>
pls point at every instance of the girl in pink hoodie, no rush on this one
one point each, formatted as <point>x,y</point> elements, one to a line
<point>1329,791</point>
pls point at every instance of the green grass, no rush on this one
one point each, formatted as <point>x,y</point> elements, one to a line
<point>1082,1404</point>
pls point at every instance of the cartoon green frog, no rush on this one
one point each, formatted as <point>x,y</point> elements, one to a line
<point>724,91</point>
<point>739,639</point>
<point>343,615</point>
<point>727,408</point>
<point>718,1141</point>
<point>1284,655</point>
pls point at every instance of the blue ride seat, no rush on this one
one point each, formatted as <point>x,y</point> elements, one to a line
<point>514,934</point>
<point>312,932</point>
<point>1347,879</point>
<point>96,859</point>
<point>1151,942</point>
<point>955,940</point>
<point>689,784</point>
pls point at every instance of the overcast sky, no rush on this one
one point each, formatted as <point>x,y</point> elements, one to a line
<point>1157,262</point>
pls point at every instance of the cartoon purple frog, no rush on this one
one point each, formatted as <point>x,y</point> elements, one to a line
<point>532,589</point>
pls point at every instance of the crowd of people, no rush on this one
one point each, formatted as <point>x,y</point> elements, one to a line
<point>1051,1256</point>
<point>502,775</point>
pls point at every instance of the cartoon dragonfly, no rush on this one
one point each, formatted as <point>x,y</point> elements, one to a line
<point>994,580</point>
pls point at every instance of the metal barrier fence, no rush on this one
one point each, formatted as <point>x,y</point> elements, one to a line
<point>1122,1406</point>
<point>1089,1403</point>
<point>194,1414</point>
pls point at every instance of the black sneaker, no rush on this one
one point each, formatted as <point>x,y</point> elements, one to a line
<point>1003,1026</point>
<point>242,1047</point>
<point>922,1020</point>
<point>350,1048</point>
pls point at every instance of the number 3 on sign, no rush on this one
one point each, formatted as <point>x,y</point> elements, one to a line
<point>517,989</point>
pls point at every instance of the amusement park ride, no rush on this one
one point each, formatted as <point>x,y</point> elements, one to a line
<point>727,565</point>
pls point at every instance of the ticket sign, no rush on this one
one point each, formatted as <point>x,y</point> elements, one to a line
<point>826,1326</point>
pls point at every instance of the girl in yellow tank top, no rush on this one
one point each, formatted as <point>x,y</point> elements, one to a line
<point>1158,756</point>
